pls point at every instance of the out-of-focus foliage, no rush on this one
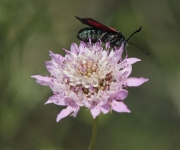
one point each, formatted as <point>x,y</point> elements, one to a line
<point>29,29</point>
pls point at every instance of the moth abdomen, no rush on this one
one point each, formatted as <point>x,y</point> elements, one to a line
<point>89,33</point>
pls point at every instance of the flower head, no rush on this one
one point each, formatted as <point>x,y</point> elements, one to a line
<point>89,76</point>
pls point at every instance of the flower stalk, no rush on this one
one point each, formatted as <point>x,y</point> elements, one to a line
<point>94,134</point>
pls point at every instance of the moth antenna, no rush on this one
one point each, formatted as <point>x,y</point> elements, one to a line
<point>139,48</point>
<point>134,33</point>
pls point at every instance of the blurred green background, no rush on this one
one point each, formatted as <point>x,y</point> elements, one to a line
<point>29,29</point>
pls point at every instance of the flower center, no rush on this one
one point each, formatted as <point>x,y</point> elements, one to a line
<point>87,68</point>
<point>88,75</point>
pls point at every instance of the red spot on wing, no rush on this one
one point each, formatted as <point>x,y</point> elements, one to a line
<point>113,29</point>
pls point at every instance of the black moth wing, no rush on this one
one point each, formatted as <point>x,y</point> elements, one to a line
<point>95,24</point>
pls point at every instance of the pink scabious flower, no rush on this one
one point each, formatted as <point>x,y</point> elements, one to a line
<point>90,76</point>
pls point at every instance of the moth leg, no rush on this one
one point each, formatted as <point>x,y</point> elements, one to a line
<point>102,36</point>
<point>125,51</point>
<point>112,40</point>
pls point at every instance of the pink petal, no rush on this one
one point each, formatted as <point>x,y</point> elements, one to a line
<point>117,55</point>
<point>119,107</point>
<point>95,111</point>
<point>74,48</point>
<point>107,45</point>
<point>81,47</point>
<point>56,57</point>
<point>132,60</point>
<point>49,66</point>
<point>121,94</point>
<point>46,81</point>
<point>122,47</point>
<point>76,110</point>
<point>105,108</point>
<point>64,113</point>
<point>135,81</point>
<point>58,100</point>
<point>127,71</point>
<point>68,58</point>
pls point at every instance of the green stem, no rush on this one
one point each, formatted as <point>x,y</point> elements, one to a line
<point>94,134</point>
